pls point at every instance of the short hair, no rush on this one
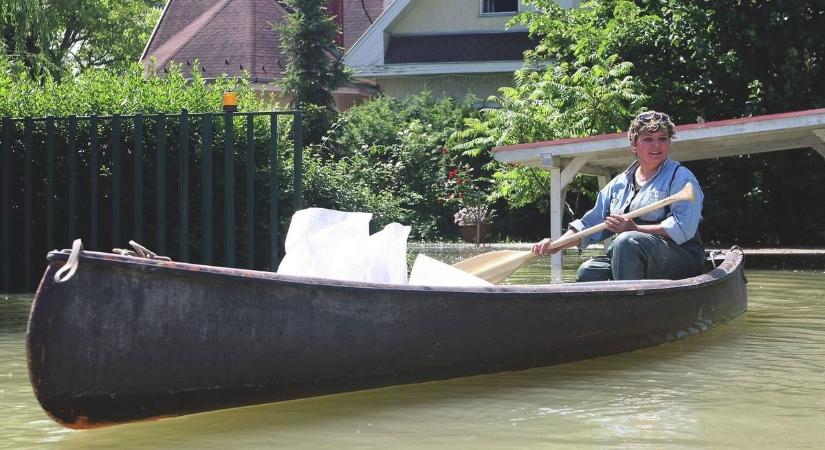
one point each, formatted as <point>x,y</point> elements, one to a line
<point>650,121</point>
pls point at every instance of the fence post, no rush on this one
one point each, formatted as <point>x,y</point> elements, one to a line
<point>27,202</point>
<point>183,149</point>
<point>273,193</point>
<point>297,183</point>
<point>5,249</point>
<point>229,188</point>
<point>250,191</point>
<point>50,162</point>
<point>137,162</point>
<point>206,190</point>
<point>116,174</point>
<point>72,176</point>
<point>94,174</point>
<point>160,185</point>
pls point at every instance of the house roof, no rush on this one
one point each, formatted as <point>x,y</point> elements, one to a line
<point>508,46</point>
<point>225,36</point>
<point>608,153</point>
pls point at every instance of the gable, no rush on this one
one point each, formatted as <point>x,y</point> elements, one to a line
<point>411,32</point>
<point>227,37</point>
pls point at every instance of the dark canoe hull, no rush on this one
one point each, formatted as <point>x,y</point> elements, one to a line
<point>128,339</point>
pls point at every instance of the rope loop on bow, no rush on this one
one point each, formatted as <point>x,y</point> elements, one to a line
<point>70,267</point>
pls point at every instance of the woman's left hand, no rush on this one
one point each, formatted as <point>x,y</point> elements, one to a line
<point>617,223</point>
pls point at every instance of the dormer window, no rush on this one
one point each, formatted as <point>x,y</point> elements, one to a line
<point>499,7</point>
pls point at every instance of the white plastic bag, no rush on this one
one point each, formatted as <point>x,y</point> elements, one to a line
<point>325,243</point>
<point>427,271</point>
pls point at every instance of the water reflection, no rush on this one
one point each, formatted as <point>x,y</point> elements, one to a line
<point>754,382</point>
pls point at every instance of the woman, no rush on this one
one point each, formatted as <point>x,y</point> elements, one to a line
<point>663,244</point>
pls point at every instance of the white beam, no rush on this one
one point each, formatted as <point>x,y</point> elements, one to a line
<point>572,168</point>
<point>820,133</point>
<point>556,211</point>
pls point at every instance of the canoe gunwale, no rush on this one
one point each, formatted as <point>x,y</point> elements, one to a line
<point>731,264</point>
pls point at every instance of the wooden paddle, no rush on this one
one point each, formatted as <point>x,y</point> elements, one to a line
<point>498,265</point>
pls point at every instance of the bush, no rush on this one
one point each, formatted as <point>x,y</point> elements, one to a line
<point>398,148</point>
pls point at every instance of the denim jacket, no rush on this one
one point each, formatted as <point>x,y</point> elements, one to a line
<point>682,221</point>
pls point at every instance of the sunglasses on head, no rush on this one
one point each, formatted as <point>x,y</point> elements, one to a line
<point>652,116</point>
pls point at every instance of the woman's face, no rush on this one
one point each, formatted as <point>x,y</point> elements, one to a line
<point>652,148</point>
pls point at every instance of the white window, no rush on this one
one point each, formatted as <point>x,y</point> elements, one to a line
<point>499,6</point>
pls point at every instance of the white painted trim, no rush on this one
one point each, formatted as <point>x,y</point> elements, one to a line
<point>370,48</point>
<point>396,70</point>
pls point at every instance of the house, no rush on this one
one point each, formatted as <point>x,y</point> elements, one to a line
<point>234,37</point>
<point>449,48</point>
<point>398,47</point>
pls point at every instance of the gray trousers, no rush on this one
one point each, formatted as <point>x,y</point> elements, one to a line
<point>636,256</point>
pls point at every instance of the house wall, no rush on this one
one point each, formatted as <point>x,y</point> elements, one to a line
<point>440,16</point>
<point>456,86</point>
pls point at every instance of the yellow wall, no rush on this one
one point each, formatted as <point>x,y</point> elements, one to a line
<point>439,16</point>
<point>457,86</point>
<point>452,16</point>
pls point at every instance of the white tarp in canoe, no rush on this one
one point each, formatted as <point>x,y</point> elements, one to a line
<point>326,243</point>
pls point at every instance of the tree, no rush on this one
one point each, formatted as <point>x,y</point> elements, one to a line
<point>314,66</point>
<point>715,59</point>
<point>53,38</point>
<point>565,100</point>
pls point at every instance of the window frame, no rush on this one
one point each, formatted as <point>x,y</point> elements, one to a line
<point>502,13</point>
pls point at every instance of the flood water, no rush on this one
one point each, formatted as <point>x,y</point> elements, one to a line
<point>756,382</point>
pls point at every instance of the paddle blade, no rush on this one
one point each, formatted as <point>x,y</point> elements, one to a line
<point>495,266</point>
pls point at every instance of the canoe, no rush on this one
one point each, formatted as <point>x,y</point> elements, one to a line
<point>129,338</point>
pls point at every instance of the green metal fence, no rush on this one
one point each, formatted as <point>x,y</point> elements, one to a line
<point>155,179</point>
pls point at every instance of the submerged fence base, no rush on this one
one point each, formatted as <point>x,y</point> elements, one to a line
<point>165,180</point>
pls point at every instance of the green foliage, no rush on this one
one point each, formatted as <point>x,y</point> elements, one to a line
<point>56,38</point>
<point>715,59</point>
<point>573,99</point>
<point>108,91</point>
<point>398,148</point>
<point>314,66</point>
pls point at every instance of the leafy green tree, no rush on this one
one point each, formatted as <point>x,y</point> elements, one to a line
<point>716,59</point>
<point>314,64</point>
<point>564,100</point>
<point>55,38</point>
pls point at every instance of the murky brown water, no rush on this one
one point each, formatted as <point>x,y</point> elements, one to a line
<point>756,382</point>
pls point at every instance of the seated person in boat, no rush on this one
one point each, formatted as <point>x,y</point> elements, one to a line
<point>663,244</point>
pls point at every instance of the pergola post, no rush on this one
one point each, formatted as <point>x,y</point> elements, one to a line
<point>558,181</point>
<point>555,222</point>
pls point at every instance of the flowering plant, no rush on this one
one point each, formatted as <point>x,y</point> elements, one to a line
<point>473,201</point>
<point>471,215</point>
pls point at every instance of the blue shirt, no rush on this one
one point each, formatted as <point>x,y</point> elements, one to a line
<point>618,197</point>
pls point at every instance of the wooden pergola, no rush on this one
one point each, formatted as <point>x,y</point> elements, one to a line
<point>605,155</point>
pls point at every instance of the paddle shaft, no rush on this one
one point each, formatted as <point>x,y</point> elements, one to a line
<point>497,266</point>
<point>686,193</point>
